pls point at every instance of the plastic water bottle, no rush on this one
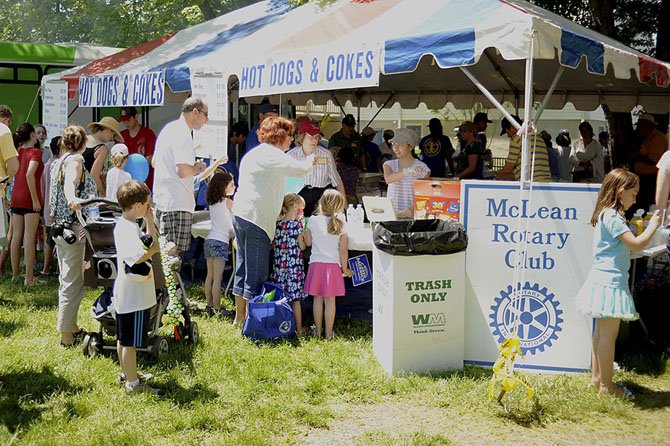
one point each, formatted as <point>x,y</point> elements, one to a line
<point>93,212</point>
<point>350,213</point>
<point>360,216</point>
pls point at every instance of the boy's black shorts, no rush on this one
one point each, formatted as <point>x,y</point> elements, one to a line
<point>132,328</point>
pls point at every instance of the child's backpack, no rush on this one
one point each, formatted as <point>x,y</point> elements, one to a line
<point>270,316</point>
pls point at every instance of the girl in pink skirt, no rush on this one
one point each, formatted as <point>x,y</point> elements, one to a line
<point>328,262</point>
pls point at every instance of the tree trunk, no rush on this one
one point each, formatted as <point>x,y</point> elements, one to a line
<point>602,12</point>
<point>663,33</point>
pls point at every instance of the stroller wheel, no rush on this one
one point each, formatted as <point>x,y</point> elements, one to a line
<point>161,346</point>
<point>91,345</point>
<point>193,333</point>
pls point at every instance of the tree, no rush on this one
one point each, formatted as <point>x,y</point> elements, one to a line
<point>634,23</point>
<point>120,23</point>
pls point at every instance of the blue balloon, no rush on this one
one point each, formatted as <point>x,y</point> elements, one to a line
<point>138,167</point>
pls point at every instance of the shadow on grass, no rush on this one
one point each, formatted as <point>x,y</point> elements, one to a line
<point>23,397</point>
<point>534,416</point>
<point>648,399</point>
<point>184,396</point>
<point>7,328</point>
<point>646,359</point>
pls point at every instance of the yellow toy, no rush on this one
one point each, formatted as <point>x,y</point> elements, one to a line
<point>503,370</point>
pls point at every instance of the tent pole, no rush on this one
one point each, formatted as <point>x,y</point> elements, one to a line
<point>380,110</point>
<point>547,96</point>
<point>490,97</point>
<point>528,104</point>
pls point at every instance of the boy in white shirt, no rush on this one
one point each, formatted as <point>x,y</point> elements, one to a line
<point>134,289</point>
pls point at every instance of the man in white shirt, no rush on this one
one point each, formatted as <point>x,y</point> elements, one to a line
<point>175,166</point>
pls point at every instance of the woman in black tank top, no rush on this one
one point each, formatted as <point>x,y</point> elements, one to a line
<point>95,155</point>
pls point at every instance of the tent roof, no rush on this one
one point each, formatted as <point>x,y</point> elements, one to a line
<point>420,45</point>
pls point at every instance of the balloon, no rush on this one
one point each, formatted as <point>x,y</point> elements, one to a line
<point>138,167</point>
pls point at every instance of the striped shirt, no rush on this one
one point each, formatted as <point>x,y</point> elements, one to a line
<point>402,192</point>
<point>324,171</point>
<point>542,173</point>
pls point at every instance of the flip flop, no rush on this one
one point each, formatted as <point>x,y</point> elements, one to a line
<point>626,392</point>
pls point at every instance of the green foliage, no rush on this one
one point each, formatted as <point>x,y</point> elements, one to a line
<point>636,21</point>
<point>121,23</point>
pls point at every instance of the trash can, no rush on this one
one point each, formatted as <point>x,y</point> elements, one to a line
<point>418,296</point>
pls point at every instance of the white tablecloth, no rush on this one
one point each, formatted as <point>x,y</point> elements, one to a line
<point>360,239</point>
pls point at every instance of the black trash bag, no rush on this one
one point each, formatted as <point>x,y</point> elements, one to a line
<point>420,237</point>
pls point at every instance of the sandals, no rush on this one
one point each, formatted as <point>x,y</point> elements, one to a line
<point>626,393</point>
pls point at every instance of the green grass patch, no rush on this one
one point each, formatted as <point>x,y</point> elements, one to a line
<point>228,390</point>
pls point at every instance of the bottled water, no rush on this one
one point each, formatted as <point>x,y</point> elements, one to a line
<point>350,213</point>
<point>360,216</point>
<point>93,212</point>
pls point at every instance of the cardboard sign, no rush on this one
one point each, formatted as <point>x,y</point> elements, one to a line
<point>54,107</point>
<point>539,304</point>
<point>437,199</point>
<point>361,268</point>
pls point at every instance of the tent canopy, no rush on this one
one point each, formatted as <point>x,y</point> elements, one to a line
<point>420,46</point>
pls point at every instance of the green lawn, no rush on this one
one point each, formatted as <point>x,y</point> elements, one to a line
<point>226,390</point>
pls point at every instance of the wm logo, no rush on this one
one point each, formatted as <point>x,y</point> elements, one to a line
<point>429,319</point>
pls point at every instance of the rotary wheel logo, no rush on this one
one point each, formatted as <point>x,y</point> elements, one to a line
<point>432,147</point>
<point>537,317</point>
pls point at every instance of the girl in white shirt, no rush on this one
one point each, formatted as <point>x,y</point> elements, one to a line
<point>116,175</point>
<point>328,262</point>
<point>217,244</point>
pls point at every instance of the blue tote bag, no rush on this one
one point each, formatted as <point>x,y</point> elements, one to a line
<point>269,320</point>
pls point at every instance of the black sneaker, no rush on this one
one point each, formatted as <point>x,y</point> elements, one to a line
<point>226,313</point>
<point>209,311</point>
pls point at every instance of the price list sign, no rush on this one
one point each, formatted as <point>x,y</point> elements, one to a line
<point>54,107</point>
<point>212,140</point>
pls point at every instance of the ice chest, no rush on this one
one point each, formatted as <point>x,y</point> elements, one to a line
<point>418,312</point>
<point>437,199</point>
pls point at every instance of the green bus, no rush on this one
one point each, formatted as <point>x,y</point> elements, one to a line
<point>22,66</point>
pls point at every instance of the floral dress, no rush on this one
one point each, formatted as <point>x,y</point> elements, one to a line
<point>288,268</point>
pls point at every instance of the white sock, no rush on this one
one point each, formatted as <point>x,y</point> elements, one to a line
<point>132,384</point>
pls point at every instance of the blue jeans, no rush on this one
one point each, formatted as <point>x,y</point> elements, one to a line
<point>252,257</point>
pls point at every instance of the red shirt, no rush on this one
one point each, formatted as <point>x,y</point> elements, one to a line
<point>143,143</point>
<point>20,193</point>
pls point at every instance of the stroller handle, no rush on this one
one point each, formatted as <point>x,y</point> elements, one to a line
<point>98,200</point>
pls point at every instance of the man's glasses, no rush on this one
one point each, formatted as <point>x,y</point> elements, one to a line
<point>204,113</point>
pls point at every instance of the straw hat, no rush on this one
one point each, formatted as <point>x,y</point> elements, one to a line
<point>109,123</point>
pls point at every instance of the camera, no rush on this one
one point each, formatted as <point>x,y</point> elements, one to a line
<point>64,231</point>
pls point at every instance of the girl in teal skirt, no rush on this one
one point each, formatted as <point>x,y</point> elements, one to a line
<point>605,294</point>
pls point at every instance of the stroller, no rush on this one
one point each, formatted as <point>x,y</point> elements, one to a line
<point>100,270</point>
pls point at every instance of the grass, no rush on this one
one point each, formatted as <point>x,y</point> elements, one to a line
<point>227,390</point>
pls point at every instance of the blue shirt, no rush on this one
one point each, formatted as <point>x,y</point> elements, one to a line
<point>373,154</point>
<point>611,258</point>
<point>252,138</point>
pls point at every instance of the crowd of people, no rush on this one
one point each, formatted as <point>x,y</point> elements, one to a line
<point>46,184</point>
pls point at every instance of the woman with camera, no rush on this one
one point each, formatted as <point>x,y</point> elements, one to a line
<point>70,184</point>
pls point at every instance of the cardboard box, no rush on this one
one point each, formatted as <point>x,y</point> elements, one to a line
<point>437,199</point>
<point>418,312</point>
